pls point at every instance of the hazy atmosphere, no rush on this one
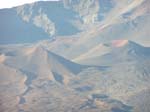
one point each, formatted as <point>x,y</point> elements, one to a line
<point>75,56</point>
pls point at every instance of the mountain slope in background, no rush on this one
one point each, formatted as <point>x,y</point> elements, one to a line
<point>119,50</point>
<point>94,18</point>
<point>75,56</point>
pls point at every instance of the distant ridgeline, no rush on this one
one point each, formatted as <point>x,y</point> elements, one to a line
<point>53,19</point>
<point>42,20</point>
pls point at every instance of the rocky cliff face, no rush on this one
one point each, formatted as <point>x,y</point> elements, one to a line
<point>84,11</point>
<point>70,17</point>
<point>29,14</point>
<point>87,9</point>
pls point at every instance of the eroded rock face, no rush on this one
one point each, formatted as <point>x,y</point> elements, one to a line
<point>45,23</point>
<point>87,9</point>
<point>25,12</point>
<point>38,14</point>
<point>28,13</point>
